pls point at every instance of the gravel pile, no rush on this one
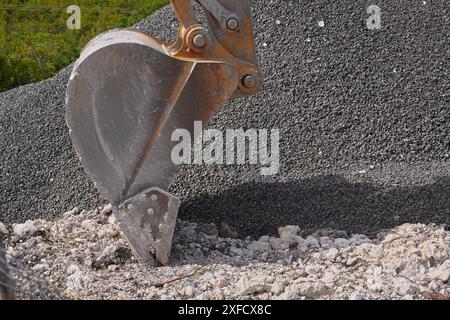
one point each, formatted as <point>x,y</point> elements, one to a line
<point>83,256</point>
<point>363,118</point>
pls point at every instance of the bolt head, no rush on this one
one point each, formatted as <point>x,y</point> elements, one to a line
<point>249,81</point>
<point>199,41</point>
<point>232,24</point>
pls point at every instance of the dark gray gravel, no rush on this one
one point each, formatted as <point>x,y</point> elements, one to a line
<point>364,119</point>
<point>40,173</point>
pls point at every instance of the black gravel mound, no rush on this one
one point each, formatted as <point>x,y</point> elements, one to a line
<point>40,173</point>
<point>364,119</point>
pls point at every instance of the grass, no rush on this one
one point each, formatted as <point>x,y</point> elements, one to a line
<point>35,42</point>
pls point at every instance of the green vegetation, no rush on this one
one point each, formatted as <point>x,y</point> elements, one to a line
<point>35,42</point>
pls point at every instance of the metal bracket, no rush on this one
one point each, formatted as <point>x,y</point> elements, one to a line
<point>229,21</point>
<point>233,44</point>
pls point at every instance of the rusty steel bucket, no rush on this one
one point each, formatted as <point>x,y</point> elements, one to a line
<point>127,94</point>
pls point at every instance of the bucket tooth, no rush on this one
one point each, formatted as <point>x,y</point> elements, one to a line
<point>148,220</point>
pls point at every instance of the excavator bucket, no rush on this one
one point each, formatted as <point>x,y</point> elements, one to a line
<point>127,94</point>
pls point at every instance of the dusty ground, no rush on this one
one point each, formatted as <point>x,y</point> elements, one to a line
<point>83,256</point>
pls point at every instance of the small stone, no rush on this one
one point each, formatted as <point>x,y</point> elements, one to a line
<point>288,259</point>
<point>403,287</point>
<point>415,267</point>
<point>222,283</point>
<point>352,261</point>
<point>72,269</point>
<point>442,272</point>
<point>326,242</point>
<point>107,209</point>
<point>107,231</point>
<point>391,237</point>
<point>112,219</point>
<point>72,212</point>
<point>393,265</point>
<point>40,267</point>
<point>288,232</point>
<point>113,255</point>
<point>88,262</point>
<point>226,231</point>
<point>203,296</point>
<point>437,251</point>
<point>189,291</point>
<point>444,275</point>
<point>275,243</point>
<point>278,287</point>
<point>331,254</point>
<point>89,225</point>
<point>434,286</point>
<point>312,242</point>
<point>3,229</point>
<point>321,24</point>
<point>374,284</point>
<point>314,290</point>
<point>246,286</point>
<point>376,251</point>
<point>236,251</point>
<point>112,267</point>
<point>299,240</point>
<point>210,230</point>
<point>356,296</point>
<point>328,277</point>
<point>358,239</point>
<point>341,243</point>
<point>259,246</point>
<point>277,22</point>
<point>30,244</point>
<point>78,280</point>
<point>313,269</point>
<point>25,229</point>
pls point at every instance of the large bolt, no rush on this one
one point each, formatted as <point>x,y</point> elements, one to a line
<point>232,24</point>
<point>199,41</point>
<point>249,81</point>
